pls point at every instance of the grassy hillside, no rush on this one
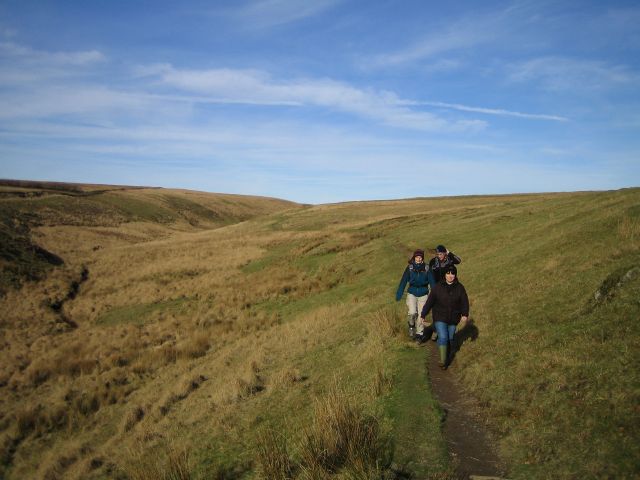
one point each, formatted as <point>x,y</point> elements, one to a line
<point>82,216</point>
<point>273,348</point>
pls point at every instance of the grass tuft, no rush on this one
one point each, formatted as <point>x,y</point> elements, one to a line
<point>387,322</point>
<point>135,415</point>
<point>273,457</point>
<point>629,230</point>
<point>342,436</point>
<point>173,464</point>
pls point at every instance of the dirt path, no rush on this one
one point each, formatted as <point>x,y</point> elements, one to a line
<point>468,441</point>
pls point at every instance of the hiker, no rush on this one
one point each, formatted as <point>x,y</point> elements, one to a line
<point>419,278</point>
<point>442,260</point>
<point>450,305</point>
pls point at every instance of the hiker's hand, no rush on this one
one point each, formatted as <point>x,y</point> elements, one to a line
<point>464,319</point>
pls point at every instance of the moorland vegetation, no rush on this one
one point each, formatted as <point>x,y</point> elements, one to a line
<point>189,335</point>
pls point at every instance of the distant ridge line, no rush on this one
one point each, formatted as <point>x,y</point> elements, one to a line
<point>78,188</point>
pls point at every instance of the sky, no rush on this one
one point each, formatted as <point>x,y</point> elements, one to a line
<point>323,101</point>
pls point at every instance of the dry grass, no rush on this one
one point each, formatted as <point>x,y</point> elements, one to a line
<point>135,415</point>
<point>273,456</point>
<point>387,322</point>
<point>268,311</point>
<point>342,436</point>
<point>172,464</point>
<point>181,393</point>
<point>340,439</point>
<point>629,231</point>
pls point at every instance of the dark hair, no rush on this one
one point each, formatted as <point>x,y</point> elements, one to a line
<point>441,249</point>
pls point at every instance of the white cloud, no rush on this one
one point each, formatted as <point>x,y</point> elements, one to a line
<point>8,32</point>
<point>257,87</point>
<point>431,46</point>
<point>27,54</point>
<point>45,84</point>
<point>563,73</point>
<point>489,111</point>
<point>463,34</point>
<point>270,13</point>
<point>56,101</point>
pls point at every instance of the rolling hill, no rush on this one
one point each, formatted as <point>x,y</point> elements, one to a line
<point>227,338</point>
<point>100,214</point>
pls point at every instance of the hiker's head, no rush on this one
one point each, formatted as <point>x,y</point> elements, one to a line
<point>418,256</point>
<point>450,273</point>
<point>441,252</point>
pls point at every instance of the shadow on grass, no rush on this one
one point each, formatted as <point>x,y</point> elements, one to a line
<point>469,333</point>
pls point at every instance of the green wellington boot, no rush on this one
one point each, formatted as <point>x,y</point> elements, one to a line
<point>442,350</point>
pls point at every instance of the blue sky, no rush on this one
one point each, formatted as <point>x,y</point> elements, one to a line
<point>323,101</point>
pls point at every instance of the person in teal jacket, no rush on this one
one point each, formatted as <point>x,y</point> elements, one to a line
<point>418,276</point>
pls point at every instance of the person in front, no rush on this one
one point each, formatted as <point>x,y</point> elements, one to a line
<point>450,305</point>
<point>418,277</point>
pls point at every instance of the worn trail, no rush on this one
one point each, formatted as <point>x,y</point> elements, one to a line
<point>467,439</point>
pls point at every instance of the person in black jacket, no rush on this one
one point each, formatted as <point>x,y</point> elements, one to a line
<point>450,305</point>
<point>417,276</point>
<point>440,262</point>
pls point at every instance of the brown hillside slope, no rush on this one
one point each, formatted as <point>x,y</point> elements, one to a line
<point>42,223</point>
<point>206,339</point>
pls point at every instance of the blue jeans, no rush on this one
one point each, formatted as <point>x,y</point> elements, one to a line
<point>445,332</point>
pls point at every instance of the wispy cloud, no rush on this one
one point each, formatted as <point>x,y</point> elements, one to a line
<point>463,34</point>
<point>488,111</point>
<point>67,100</point>
<point>271,13</point>
<point>564,73</point>
<point>45,84</point>
<point>24,53</point>
<point>257,87</point>
<point>21,66</point>
<point>431,46</point>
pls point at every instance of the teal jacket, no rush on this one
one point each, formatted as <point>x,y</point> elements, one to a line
<point>418,276</point>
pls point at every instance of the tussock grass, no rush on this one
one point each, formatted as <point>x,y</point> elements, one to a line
<point>181,393</point>
<point>341,439</point>
<point>387,323</point>
<point>135,415</point>
<point>629,231</point>
<point>270,311</point>
<point>172,463</point>
<point>342,436</point>
<point>273,456</point>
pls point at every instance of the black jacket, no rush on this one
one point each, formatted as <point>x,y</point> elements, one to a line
<point>449,303</point>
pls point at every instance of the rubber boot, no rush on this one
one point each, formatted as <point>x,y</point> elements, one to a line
<point>442,350</point>
<point>411,321</point>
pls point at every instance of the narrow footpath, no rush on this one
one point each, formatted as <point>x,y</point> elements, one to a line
<point>467,439</point>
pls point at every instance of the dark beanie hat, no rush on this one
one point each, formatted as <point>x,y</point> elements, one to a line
<point>418,253</point>
<point>441,249</point>
<point>451,269</point>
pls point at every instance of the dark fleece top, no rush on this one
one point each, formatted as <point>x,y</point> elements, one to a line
<point>449,303</point>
